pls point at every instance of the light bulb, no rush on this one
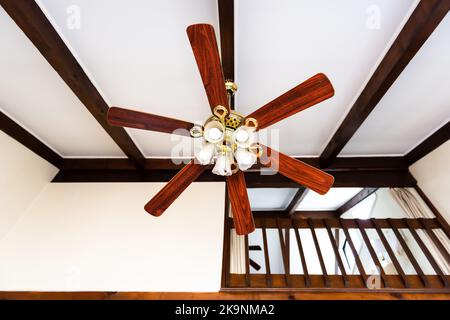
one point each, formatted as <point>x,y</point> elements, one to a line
<point>206,153</point>
<point>214,134</point>
<point>223,165</point>
<point>242,136</point>
<point>244,158</point>
<point>214,131</point>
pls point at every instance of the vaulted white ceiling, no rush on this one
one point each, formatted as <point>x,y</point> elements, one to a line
<point>415,106</point>
<point>281,44</point>
<point>34,95</point>
<point>138,56</point>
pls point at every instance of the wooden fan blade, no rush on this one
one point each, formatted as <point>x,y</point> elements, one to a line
<point>147,121</point>
<point>240,205</point>
<point>204,46</point>
<point>172,190</point>
<point>314,90</point>
<point>297,171</point>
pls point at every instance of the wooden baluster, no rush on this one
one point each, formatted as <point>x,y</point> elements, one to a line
<point>266,254</point>
<point>336,253</point>
<point>284,255</point>
<point>287,245</point>
<point>409,254</point>
<point>391,253</point>
<point>247,263</point>
<point>436,241</point>
<point>372,252</point>
<point>302,256</point>
<point>358,262</point>
<point>226,247</point>
<point>426,252</point>
<point>319,253</point>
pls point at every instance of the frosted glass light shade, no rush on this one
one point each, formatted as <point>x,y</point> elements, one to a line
<point>244,136</point>
<point>214,132</point>
<point>244,158</point>
<point>206,153</point>
<point>223,165</point>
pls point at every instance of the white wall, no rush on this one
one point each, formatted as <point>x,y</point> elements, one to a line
<point>97,236</point>
<point>433,177</point>
<point>24,175</point>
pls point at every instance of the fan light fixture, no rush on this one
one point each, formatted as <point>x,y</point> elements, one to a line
<point>228,142</point>
<point>228,137</point>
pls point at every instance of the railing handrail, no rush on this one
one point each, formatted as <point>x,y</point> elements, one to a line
<point>347,282</point>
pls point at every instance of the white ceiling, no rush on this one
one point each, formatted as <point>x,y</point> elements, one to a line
<point>280,44</point>
<point>334,198</point>
<point>270,198</point>
<point>417,104</point>
<point>280,198</point>
<point>33,94</point>
<point>138,55</point>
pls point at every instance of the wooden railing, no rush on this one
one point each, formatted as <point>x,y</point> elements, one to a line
<point>405,232</point>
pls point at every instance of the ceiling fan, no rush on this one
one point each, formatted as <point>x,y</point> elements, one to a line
<point>229,136</point>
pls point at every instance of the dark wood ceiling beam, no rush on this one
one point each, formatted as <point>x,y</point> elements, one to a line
<point>423,21</point>
<point>226,24</point>
<point>354,163</point>
<point>15,131</point>
<point>299,214</point>
<point>296,200</point>
<point>226,29</point>
<point>438,138</point>
<point>360,196</point>
<point>348,172</point>
<point>33,22</point>
<point>343,178</point>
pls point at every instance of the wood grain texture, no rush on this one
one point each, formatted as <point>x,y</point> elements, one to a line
<point>226,26</point>
<point>439,216</point>
<point>420,25</point>
<point>372,251</point>
<point>299,214</point>
<point>326,280</point>
<point>314,90</point>
<point>355,253</point>
<point>360,196</point>
<point>409,254</point>
<point>240,205</point>
<point>335,244</point>
<point>15,131</point>
<point>172,190</point>
<point>391,254</point>
<point>335,284</point>
<point>425,251</point>
<point>286,222</point>
<point>298,171</point>
<point>441,136</point>
<point>33,22</point>
<point>255,294</point>
<point>296,200</point>
<point>345,178</point>
<point>147,121</point>
<point>206,52</point>
<point>381,164</point>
